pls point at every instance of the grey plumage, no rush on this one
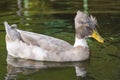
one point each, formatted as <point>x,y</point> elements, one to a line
<point>12,32</point>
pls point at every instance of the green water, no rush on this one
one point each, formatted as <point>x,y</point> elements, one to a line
<point>56,18</point>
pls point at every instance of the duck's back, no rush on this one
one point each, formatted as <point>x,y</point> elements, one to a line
<point>48,43</point>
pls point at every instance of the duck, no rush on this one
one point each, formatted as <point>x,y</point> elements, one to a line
<point>40,47</point>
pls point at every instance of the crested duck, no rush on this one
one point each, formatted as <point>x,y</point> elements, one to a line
<point>30,45</point>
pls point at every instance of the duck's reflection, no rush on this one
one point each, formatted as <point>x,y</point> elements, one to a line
<point>16,65</point>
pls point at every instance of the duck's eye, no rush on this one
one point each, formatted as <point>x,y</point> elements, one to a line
<point>82,22</point>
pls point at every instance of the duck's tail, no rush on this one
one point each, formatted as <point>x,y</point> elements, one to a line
<point>11,32</point>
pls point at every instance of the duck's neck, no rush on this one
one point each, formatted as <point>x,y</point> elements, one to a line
<point>80,42</point>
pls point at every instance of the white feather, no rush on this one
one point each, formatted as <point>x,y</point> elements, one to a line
<point>80,42</point>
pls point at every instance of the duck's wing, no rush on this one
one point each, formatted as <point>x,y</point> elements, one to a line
<point>46,42</point>
<point>11,32</point>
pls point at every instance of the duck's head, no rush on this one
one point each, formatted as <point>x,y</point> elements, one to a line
<point>85,26</point>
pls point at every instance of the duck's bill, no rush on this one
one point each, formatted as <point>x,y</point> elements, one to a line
<point>96,36</point>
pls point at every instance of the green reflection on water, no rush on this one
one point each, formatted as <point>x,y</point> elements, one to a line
<point>55,18</point>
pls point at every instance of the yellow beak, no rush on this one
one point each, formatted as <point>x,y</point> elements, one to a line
<point>96,36</point>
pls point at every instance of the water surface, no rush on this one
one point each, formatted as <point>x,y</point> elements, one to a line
<point>56,18</point>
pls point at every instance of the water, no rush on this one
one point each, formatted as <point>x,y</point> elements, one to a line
<point>55,18</point>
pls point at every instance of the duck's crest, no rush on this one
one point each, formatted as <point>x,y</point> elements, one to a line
<point>11,32</point>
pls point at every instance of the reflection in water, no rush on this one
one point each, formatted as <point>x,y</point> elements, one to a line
<point>19,12</point>
<point>19,3</point>
<point>85,5</point>
<point>17,65</point>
